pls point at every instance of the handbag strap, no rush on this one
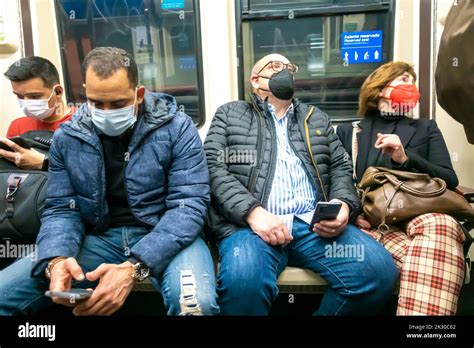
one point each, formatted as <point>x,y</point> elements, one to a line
<point>310,151</point>
<point>383,228</point>
<point>401,186</point>
<point>405,188</point>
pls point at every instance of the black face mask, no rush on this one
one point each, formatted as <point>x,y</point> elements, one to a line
<point>282,85</point>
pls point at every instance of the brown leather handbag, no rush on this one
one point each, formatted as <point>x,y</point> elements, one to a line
<point>390,197</point>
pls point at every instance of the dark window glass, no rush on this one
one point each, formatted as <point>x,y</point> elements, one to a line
<point>324,78</point>
<point>282,4</point>
<point>162,35</point>
<point>257,5</point>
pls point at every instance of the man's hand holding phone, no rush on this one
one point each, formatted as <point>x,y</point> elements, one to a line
<point>115,284</point>
<point>331,228</point>
<point>61,278</point>
<point>23,157</point>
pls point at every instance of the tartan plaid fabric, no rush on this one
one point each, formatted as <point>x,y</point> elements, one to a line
<point>430,258</point>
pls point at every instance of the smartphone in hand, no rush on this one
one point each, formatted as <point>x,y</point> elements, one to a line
<point>72,295</point>
<point>17,140</point>
<point>21,142</point>
<point>325,211</point>
<point>5,147</point>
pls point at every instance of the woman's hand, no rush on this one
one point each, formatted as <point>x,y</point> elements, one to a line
<point>365,227</point>
<point>362,223</point>
<point>391,145</point>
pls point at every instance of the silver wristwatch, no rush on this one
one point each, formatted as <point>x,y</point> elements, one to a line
<point>140,271</point>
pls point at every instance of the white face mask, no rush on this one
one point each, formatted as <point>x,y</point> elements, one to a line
<point>114,122</point>
<point>37,108</point>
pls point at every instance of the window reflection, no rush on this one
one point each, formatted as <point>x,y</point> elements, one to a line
<point>160,34</point>
<point>314,43</point>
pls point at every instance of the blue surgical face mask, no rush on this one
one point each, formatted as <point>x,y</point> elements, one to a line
<point>114,122</point>
<point>37,108</point>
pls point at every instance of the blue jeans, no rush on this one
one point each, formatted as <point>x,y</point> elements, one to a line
<point>359,283</point>
<point>192,270</point>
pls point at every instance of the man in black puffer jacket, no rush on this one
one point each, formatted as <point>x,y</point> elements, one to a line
<point>270,161</point>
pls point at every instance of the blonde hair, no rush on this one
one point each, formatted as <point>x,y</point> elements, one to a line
<point>377,81</point>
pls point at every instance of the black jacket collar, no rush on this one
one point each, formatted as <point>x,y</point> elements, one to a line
<point>261,104</point>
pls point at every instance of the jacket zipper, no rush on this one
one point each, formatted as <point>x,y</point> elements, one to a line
<point>256,171</point>
<point>126,194</point>
<point>270,178</point>
<point>103,188</point>
<point>308,173</point>
<point>125,179</point>
<point>313,160</point>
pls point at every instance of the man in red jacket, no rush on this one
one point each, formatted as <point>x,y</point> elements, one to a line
<point>35,82</point>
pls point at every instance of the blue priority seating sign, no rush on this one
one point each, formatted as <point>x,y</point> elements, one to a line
<point>361,47</point>
<point>172,4</point>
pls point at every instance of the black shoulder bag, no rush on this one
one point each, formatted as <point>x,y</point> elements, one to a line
<point>23,194</point>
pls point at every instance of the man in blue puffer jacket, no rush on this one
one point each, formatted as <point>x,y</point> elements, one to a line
<point>127,198</point>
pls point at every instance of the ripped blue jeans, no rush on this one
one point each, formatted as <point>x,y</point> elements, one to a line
<point>187,284</point>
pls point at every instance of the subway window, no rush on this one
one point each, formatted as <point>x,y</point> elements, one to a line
<point>300,4</point>
<point>336,45</point>
<point>162,35</point>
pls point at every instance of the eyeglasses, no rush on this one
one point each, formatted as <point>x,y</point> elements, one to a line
<point>278,66</point>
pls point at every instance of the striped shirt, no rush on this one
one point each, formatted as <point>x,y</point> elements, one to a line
<point>292,193</point>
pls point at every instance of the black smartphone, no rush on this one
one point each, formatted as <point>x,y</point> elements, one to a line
<point>17,140</point>
<point>21,142</point>
<point>325,211</point>
<point>5,147</point>
<point>73,294</point>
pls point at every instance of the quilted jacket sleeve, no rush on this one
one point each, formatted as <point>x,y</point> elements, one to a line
<point>186,202</point>
<point>229,197</point>
<point>62,230</point>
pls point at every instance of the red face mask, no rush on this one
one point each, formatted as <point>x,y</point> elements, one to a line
<point>404,97</point>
